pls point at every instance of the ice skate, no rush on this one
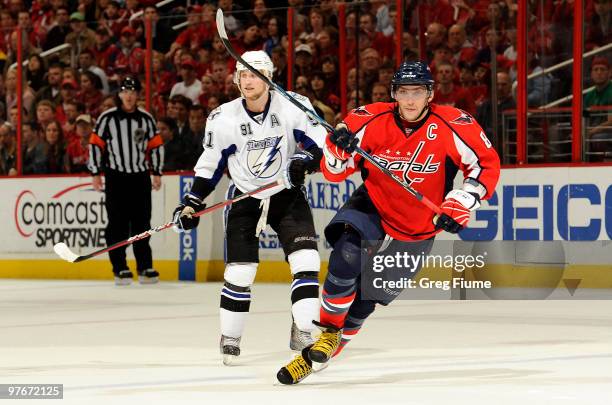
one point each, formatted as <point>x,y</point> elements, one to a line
<point>298,369</point>
<point>148,276</point>
<point>123,277</point>
<point>299,338</point>
<point>326,344</point>
<point>230,349</point>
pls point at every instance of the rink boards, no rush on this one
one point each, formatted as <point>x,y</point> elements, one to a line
<point>570,205</point>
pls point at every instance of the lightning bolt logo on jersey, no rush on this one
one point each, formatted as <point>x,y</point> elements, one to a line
<point>264,157</point>
<point>256,151</point>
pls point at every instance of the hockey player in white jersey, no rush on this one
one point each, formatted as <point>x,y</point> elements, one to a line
<point>260,137</point>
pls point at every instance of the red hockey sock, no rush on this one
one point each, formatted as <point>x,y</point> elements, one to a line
<point>334,308</point>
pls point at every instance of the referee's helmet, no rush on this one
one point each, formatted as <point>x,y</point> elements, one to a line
<point>130,83</point>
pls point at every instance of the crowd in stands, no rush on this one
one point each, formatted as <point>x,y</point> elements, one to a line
<point>464,42</point>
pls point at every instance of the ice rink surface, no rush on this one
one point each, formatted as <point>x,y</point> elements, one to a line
<point>159,345</point>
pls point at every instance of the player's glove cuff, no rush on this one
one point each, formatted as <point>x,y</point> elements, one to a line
<point>456,210</point>
<point>334,164</point>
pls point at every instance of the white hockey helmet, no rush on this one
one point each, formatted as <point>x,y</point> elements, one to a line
<point>259,60</point>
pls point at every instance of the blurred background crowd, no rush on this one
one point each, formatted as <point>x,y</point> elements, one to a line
<point>469,44</point>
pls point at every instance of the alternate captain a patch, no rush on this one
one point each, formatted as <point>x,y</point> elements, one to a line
<point>463,119</point>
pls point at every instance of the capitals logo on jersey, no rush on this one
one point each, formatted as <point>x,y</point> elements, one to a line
<point>406,163</point>
<point>264,159</point>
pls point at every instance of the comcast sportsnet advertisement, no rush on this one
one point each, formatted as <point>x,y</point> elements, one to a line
<point>45,211</point>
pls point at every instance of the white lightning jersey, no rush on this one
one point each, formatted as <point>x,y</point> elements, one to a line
<point>256,149</point>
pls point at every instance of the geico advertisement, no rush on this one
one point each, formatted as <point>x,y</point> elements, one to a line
<point>568,204</point>
<point>44,211</point>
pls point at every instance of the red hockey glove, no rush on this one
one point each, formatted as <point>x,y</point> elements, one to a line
<point>341,142</point>
<point>339,146</point>
<point>456,210</point>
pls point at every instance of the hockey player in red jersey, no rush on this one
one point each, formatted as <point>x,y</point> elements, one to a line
<point>424,144</point>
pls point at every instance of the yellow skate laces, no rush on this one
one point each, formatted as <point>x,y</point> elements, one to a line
<point>325,346</point>
<point>298,368</point>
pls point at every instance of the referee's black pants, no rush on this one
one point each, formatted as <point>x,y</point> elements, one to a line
<point>128,207</point>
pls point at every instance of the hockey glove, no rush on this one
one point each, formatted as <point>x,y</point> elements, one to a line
<point>343,142</point>
<point>456,210</point>
<point>183,214</point>
<point>300,165</point>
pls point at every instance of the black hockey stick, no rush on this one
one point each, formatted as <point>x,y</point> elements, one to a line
<point>313,115</point>
<point>65,253</point>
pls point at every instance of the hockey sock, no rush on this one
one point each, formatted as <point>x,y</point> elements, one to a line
<point>305,299</point>
<point>357,315</point>
<point>235,304</point>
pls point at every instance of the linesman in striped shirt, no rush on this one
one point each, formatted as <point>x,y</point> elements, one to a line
<point>127,147</point>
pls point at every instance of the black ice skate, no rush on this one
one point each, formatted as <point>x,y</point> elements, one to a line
<point>298,369</point>
<point>326,344</point>
<point>123,277</point>
<point>148,276</point>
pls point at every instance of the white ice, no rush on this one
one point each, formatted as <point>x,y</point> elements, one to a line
<point>159,345</point>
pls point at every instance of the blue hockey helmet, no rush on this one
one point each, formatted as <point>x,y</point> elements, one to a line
<point>413,73</point>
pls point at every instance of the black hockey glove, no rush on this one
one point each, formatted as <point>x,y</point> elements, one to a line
<point>344,139</point>
<point>300,165</point>
<point>183,214</point>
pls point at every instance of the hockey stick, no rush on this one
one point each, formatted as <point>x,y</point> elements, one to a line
<point>314,116</point>
<point>65,253</point>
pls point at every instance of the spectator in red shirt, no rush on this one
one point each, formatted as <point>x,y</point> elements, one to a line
<point>91,93</point>
<point>77,152</point>
<point>7,25</point>
<point>114,18</point>
<point>327,43</point>
<point>102,49</point>
<point>380,42</point>
<point>196,33</point>
<point>251,38</point>
<point>68,93</point>
<point>128,53</point>
<point>433,10</point>
<point>482,75</point>
<point>494,21</point>
<point>72,109</point>
<point>321,91</point>
<point>447,93</point>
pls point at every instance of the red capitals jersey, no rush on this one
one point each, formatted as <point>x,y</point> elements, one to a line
<point>427,157</point>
